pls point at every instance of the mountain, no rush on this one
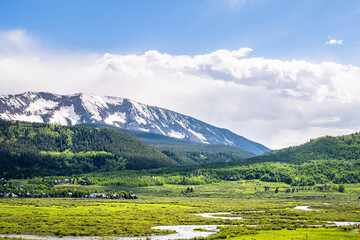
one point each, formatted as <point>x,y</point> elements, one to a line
<point>186,152</point>
<point>339,148</point>
<point>37,149</point>
<point>120,112</point>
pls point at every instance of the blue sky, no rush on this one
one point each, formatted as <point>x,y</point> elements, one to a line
<point>275,29</point>
<point>279,72</point>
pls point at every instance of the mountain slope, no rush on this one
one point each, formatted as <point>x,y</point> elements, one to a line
<point>124,113</point>
<point>343,147</point>
<point>186,152</point>
<point>33,149</point>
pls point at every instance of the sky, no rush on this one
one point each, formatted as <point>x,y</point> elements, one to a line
<point>277,72</point>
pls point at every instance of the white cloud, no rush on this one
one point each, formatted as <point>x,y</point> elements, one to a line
<point>278,103</point>
<point>334,42</point>
<point>242,52</point>
<point>16,42</point>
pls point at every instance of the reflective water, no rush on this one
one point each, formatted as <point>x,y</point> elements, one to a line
<point>214,215</point>
<point>182,232</point>
<point>339,224</point>
<point>305,208</point>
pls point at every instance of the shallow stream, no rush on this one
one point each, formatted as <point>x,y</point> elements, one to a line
<point>182,231</point>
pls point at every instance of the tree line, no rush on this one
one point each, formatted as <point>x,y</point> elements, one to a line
<point>36,149</point>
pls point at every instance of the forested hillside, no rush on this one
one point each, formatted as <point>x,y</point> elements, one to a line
<point>36,149</point>
<point>340,148</point>
<point>186,152</point>
<point>306,174</point>
<point>44,107</point>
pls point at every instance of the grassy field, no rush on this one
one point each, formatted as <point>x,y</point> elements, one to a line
<point>227,189</point>
<point>171,205</point>
<point>302,233</point>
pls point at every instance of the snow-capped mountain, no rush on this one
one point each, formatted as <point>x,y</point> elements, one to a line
<point>120,112</point>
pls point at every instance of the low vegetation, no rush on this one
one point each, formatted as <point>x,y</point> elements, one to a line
<point>50,176</point>
<point>171,205</point>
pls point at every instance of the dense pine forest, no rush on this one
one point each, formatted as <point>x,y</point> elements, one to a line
<point>339,148</point>
<point>34,149</point>
<point>186,152</point>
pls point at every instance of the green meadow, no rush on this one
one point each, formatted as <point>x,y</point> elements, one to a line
<point>270,215</point>
<point>49,172</point>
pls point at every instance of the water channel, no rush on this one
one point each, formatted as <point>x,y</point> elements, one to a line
<point>182,231</point>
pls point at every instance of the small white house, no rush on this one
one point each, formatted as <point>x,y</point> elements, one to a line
<point>93,195</point>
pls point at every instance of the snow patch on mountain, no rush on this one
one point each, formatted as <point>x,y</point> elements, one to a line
<point>64,115</point>
<point>198,135</point>
<point>160,131</point>
<point>116,118</point>
<point>155,115</point>
<point>175,134</point>
<point>113,100</point>
<point>16,103</point>
<point>182,124</point>
<point>21,117</point>
<point>163,114</point>
<point>120,112</point>
<point>140,120</point>
<point>41,106</point>
<point>144,129</point>
<point>143,110</point>
<point>30,95</point>
<point>229,142</point>
<point>92,104</point>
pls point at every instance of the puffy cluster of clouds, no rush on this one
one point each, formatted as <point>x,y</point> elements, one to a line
<point>14,41</point>
<point>334,42</point>
<point>278,103</point>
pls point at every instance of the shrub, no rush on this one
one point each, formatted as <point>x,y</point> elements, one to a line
<point>341,188</point>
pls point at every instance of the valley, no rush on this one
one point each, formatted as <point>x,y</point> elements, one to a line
<point>244,210</point>
<point>101,182</point>
<point>197,120</point>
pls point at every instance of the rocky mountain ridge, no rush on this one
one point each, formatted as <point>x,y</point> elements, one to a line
<point>120,112</point>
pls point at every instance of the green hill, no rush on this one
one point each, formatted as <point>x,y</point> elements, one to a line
<point>36,149</point>
<point>186,152</point>
<point>342,148</point>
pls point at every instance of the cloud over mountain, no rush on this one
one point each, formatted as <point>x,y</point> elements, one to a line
<point>275,102</point>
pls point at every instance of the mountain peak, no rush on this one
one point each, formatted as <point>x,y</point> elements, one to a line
<point>120,112</point>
